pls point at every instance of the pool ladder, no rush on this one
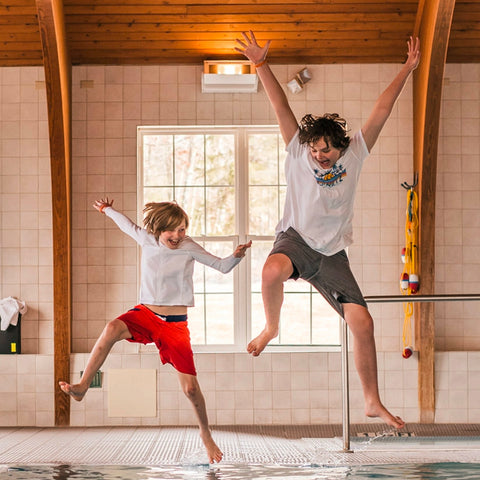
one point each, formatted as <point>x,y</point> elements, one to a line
<point>344,346</point>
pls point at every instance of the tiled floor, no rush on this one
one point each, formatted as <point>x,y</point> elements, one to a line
<point>290,445</point>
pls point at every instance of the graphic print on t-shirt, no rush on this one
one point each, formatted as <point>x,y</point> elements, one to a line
<point>332,177</point>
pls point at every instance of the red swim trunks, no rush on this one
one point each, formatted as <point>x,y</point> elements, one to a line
<point>172,338</point>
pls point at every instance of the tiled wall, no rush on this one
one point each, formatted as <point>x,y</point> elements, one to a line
<point>458,209</point>
<point>457,387</point>
<point>108,104</point>
<point>290,388</point>
<point>25,208</point>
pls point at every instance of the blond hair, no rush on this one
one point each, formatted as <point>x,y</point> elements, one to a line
<point>163,216</point>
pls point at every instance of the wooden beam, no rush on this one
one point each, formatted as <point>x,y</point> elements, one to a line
<point>433,26</point>
<point>58,82</point>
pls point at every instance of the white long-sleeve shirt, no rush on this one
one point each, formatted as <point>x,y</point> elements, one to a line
<point>167,274</point>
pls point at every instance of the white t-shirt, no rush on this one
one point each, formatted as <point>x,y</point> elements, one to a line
<point>319,203</point>
<point>167,274</point>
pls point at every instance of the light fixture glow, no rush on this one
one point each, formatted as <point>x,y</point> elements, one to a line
<point>229,69</point>
<point>227,76</point>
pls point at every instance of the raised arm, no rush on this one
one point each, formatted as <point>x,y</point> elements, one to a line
<point>102,204</point>
<point>105,206</point>
<point>258,56</point>
<point>384,105</point>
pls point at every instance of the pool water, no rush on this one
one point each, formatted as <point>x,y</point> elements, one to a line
<point>429,471</point>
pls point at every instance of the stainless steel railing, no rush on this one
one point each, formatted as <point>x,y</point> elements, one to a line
<point>421,298</point>
<point>344,345</point>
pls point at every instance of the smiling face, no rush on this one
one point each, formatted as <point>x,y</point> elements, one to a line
<point>324,154</point>
<point>173,238</point>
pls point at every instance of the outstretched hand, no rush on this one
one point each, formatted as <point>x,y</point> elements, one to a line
<point>413,53</point>
<point>102,204</point>
<point>251,49</point>
<point>242,249</point>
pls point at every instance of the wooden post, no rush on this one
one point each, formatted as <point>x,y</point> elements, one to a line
<point>434,19</point>
<point>58,82</point>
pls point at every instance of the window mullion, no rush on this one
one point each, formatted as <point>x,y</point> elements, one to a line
<point>241,276</point>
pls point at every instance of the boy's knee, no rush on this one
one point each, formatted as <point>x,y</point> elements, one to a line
<point>190,390</point>
<point>114,329</point>
<point>276,269</point>
<point>360,323</point>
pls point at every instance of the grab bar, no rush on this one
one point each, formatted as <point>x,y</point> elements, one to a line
<point>421,298</point>
<point>344,345</point>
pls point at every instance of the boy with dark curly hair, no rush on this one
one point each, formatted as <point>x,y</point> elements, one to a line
<point>322,169</point>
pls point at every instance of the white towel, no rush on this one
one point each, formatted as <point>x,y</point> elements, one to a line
<point>9,309</point>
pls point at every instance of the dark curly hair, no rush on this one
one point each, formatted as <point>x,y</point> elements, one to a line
<point>330,126</point>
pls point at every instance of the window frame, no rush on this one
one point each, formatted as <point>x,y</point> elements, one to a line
<point>242,272</point>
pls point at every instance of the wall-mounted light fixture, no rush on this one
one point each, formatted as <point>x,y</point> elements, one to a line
<point>301,78</point>
<point>226,76</point>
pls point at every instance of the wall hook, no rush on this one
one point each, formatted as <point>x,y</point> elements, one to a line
<point>415,182</point>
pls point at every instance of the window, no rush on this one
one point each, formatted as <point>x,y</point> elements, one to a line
<point>230,181</point>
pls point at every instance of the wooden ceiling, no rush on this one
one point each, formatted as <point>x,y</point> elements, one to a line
<point>120,32</point>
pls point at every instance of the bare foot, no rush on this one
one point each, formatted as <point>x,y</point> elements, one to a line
<point>258,344</point>
<point>381,412</point>
<point>75,391</point>
<point>213,452</point>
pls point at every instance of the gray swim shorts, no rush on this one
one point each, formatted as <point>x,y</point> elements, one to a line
<point>330,275</point>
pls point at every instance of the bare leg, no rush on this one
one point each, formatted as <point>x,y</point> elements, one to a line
<point>276,271</point>
<point>361,324</point>
<point>191,388</point>
<point>113,332</point>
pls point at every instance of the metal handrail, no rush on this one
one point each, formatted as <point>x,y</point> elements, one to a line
<point>344,345</point>
<point>421,298</point>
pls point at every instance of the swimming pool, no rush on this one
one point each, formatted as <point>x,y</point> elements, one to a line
<point>437,471</point>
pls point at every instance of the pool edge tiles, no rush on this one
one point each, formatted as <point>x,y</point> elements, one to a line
<point>174,446</point>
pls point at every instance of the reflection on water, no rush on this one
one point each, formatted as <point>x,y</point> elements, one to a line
<point>437,471</point>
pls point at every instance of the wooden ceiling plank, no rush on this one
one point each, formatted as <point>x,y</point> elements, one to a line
<point>196,60</point>
<point>246,18</point>
<point>74,38</point>
<point>26,47</point>
<point>195,50</point>
<point>264,29</point>
<point>18,20</point>
<point>22,28</point>
<point>178,45</point>
<point>58,83</point>
<point>434,24</point>
<point>18,3</point>
<point>332,9</point>
<point>148,3</point>
<point>19,62</point>
<point>16,10</point>
<point>25,59</point>
<point>237,7</point>
<point>27,38</point>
